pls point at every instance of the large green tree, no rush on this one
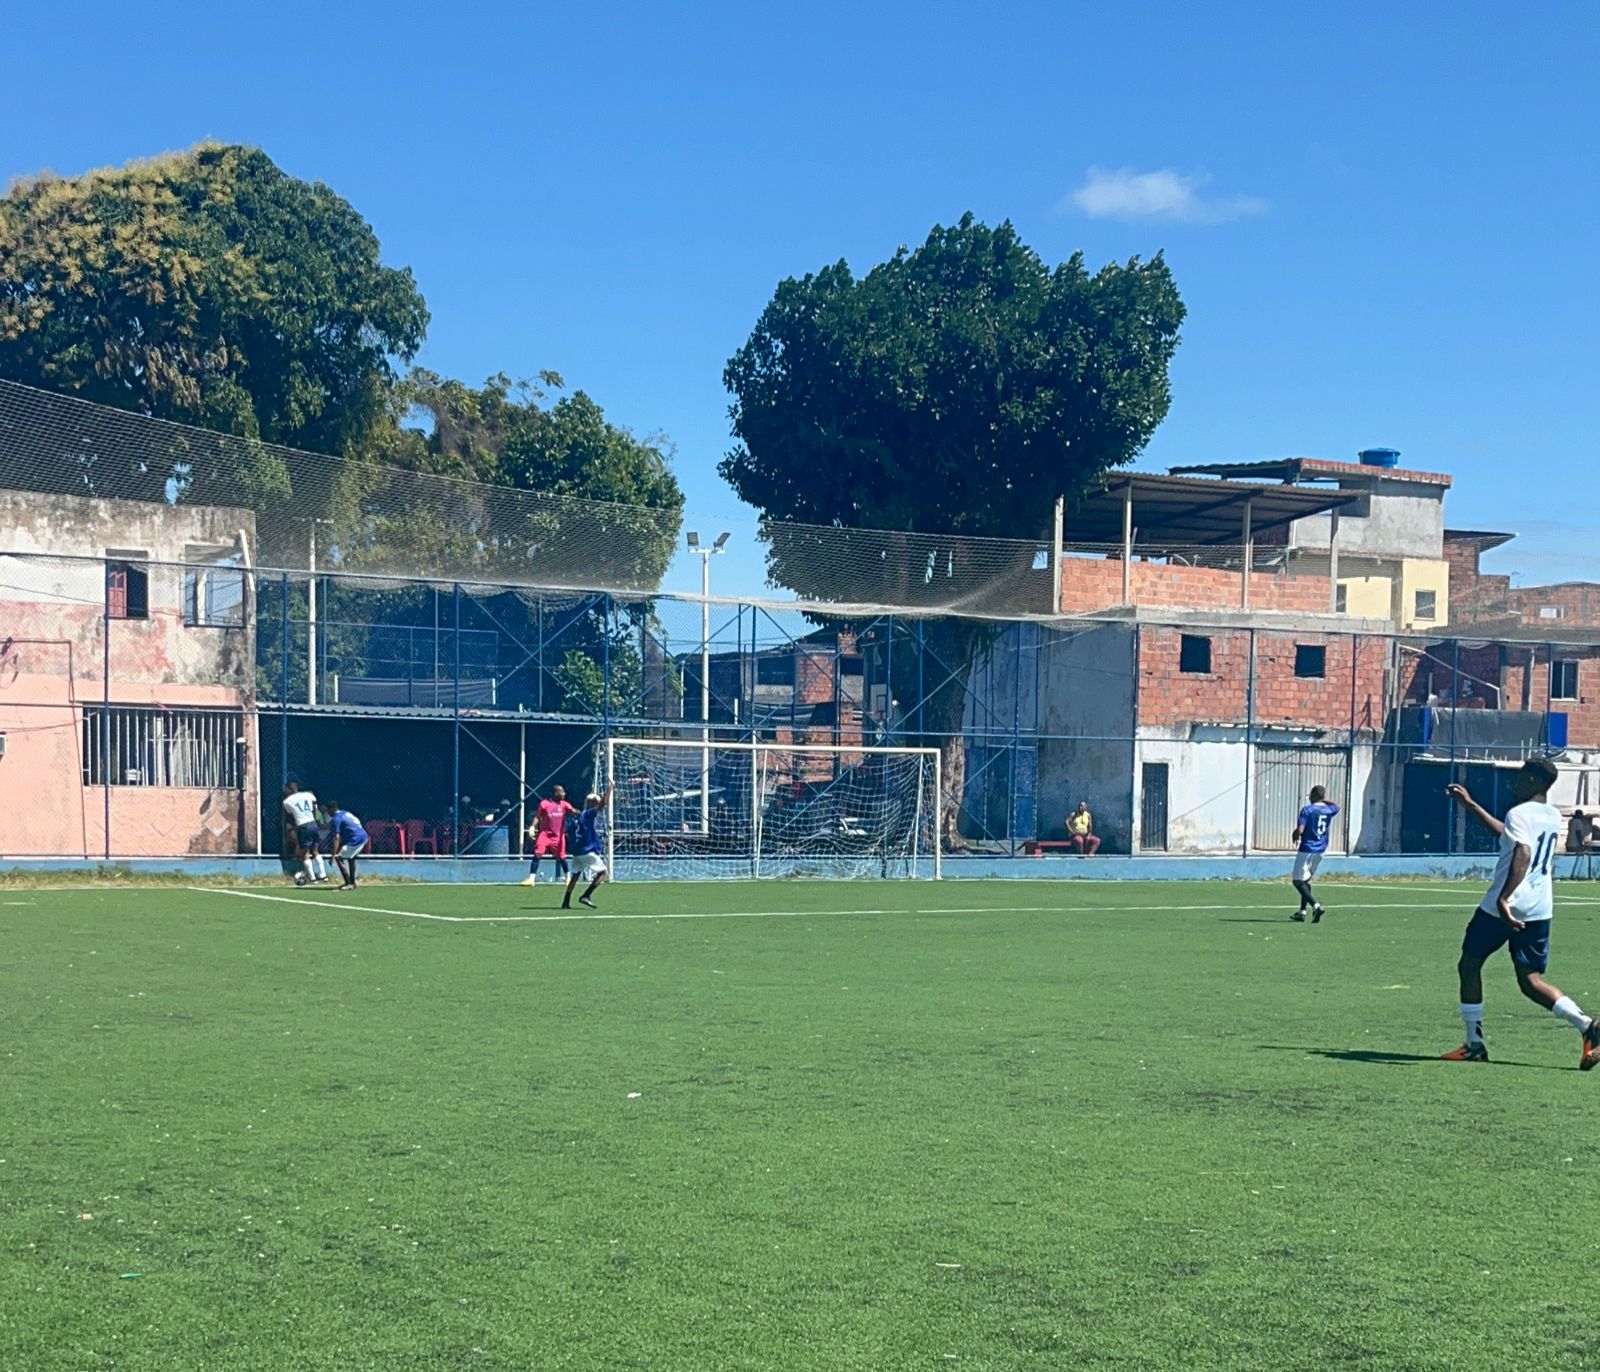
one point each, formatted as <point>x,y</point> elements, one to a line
<point>958,388</point>
<point>209,287</point>
<point>603,508</point>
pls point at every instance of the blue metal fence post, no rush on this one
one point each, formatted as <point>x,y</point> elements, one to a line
<point>1455,709</point>
<point>1249,739</point>
<point>1350,755</point>
<point>1016,735</point>
<point>283,694</point>
<point>105,703</point>
<point>455,731</point>
<point>605,649</point>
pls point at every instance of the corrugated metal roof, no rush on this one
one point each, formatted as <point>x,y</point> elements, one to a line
<point>1193,510</point>
<point>1316,468</point>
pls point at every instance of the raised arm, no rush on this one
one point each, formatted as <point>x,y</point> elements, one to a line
<point>1460,795</point>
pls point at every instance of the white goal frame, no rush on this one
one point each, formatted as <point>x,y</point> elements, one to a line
<point>705,747</point>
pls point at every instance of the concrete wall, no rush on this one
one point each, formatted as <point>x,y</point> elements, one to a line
<point>1402,519</point>
<point>1207,781</point>
<point>1422,574</point>
<point>53,650</point>
<point>1086,723</point>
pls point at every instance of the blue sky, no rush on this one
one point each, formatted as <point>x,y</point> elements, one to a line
<point>1382,219</point>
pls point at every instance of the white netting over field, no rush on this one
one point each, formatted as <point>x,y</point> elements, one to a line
<point>927,573</point>
<point>367,517</point>
<point>683,808</point>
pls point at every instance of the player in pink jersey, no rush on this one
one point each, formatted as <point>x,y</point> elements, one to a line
<point>549,832</point>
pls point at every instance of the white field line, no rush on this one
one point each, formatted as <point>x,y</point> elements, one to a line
<point>599,917</point>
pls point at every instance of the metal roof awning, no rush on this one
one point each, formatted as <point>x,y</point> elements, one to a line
<point>1297,469</point>
<point>1193,511</point>
<point>1484,538</point>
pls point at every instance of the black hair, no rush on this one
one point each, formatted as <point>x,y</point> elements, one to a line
<point>1541,770</point>
<point>1318,793</point>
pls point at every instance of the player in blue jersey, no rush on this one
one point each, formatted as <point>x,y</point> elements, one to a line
<point>347,840</point>
<point>1516,910</point>
<point>586,849</point>
<point>1311,833</point>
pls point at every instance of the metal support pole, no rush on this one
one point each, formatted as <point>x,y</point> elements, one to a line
<point>455,731</point>
<point>705,691</point>
<point>1350,760</point>
<point>522,786</point>
<point>1249,558</point>
<point>283,692</point>
<point>105,705</point>
<point>1127,544</point>
<point>1333,579</point>
<point>311,622</point>
<point>1455,711</point>
<point>1056,553</point>
<point>1549,687</point>
<point>1249,736</point>
<point>1016,734</point>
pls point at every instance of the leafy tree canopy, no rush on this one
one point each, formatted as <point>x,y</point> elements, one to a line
<point>209,287</point>
<point>957,388</point>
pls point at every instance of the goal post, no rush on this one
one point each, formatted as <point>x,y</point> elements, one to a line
<point>769,810</point>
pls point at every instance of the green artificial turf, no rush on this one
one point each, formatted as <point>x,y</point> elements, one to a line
<point>894,1125</point>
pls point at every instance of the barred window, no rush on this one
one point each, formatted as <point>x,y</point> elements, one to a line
<point>150,746</point>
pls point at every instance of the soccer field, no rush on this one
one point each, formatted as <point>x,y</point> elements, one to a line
<point>811,1125</point>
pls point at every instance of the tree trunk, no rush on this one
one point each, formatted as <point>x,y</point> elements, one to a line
<point>947,648</point>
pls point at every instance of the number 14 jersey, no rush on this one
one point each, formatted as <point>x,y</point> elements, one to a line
<point>1536,827</point>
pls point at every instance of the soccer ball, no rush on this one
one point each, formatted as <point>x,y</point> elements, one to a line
<point>299,878</point>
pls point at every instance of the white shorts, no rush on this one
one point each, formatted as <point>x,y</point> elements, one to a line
<point>588,866</point>
<point>351,850</point>
<point>1305,865</point>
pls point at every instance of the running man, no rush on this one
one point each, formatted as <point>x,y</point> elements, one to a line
<point>1311,833</point>
<point>584,841</point>
<point>1516,910</point>
<point>549,832</point>
<point>300,809</point>
<point>349,841</point>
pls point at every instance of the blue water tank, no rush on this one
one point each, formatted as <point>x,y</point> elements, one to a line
<point>1379,457</point>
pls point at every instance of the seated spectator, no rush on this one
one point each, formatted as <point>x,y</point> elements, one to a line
<point>1579,832</point>
<point>1080,829</point>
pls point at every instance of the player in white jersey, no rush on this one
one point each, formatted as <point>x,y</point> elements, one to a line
<point>300,809</point>
<point>1516,910</point>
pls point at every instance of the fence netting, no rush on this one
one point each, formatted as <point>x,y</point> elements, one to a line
<point>157,708</point>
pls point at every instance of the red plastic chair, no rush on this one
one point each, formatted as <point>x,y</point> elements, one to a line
<point>387,836</point>
<point>419,835</point>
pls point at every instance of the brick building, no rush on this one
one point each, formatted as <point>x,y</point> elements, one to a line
<point>127,667</point>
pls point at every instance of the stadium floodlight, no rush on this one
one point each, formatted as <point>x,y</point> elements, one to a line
<point>720,544</point>
<point>694,542</point>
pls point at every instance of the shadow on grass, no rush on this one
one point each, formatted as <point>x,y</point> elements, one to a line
<point>1239,919</point>
<point>1375,1057</point>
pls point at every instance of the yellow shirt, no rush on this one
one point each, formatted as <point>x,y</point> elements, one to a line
<point>1081,824</point>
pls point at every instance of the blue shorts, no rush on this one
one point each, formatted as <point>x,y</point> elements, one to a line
<point>1486,934</point>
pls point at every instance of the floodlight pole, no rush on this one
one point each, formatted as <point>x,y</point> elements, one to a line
<point>705,690</point>
<point>705,554</point>
<point>311,622</point>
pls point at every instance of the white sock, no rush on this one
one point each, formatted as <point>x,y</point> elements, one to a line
<point>1567,1009</point>
<point>1472,1020</point>
<point>322,867</point>
<point>306,863</point>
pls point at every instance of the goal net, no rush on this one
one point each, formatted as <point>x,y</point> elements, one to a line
<point>683,808</point>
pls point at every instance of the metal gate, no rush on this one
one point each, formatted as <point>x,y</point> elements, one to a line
<point>1284,778</point>
<point>1153,807</point>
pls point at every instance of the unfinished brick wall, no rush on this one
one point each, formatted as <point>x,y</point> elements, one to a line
<point>1579,603</point>
<point>1088,585</point>
<point>1532,683</point>
<point>1169,696</point>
